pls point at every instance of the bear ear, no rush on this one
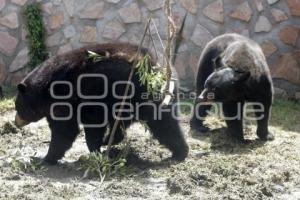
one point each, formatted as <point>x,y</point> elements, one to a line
<point>22,87</point>
<point>241,76</point>
<point>217,62</point>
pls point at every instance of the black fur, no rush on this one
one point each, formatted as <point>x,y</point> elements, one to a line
<point>33,100</point>
<point>233,80</point>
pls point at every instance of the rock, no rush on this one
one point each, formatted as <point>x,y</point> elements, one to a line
<point>280,93</point>
<point>245,33</point>
<point>242,12</point>
<point>24,33</point>
<point>193,62</point>
<point>16,78</point>
<point>287,67</point>
<point>294,6</point>
<point>154,4</point>
<point>201,36</point>
<point>69,31</point>
<point>89,35</point>
<point>113,30</point>
<point>48,8</point>
<point>8,44</point>
<point>268,48</point>
<point>278,15</point>
<point>155,22</point>
<point>64,49</point>
<point>19,2</point>
<point>263,25</point>
<point>215,11</point>
<point>112,1</point>
<point>2,4</point>
<point>10,20</point>
<point>55,39</point>
<point>190,5</point>
<point>297,97</point>
<point>2,71</point>
<point>93,11</point>
<point>180,65</point>
<point>131,13</point>
<point>20,61</point>
<point>55,2</point>
<point>259,5</point>
<point>272,1</point>
<point>289,35</point>
<point>57,20</point>
<point>69,6</point>
<point>297,53</point>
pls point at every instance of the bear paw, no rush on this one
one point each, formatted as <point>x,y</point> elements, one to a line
<point>266,137</point>
<point>50,161</point>
<point>180,155</point>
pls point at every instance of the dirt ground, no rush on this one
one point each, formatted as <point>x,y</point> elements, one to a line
<point>216,168</point>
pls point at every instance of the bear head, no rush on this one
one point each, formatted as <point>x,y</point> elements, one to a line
<point>28,105</point>
<point>224,84</point>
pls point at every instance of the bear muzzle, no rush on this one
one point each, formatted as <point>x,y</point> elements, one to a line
<point>206,95</point>
<point>20,122</point>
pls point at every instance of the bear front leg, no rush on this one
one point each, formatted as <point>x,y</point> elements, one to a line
<point>168,132</point>
<point>199,114</point>
<point>94,138</point>
<point>263,121</point>
<point>63,134</point>
<point>233,113</point>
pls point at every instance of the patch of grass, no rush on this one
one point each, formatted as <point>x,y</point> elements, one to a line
<point>186,105</point>
<point>35,165</point>
<point>8,102</point>
<point>97,164</point>
<point>286,114</point>
<point>8,128</point>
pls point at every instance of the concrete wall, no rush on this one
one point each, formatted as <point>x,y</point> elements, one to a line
<point>275,24</point>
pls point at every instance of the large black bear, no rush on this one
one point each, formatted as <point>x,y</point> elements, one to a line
<point>72,88</point>
<point>233,70</point>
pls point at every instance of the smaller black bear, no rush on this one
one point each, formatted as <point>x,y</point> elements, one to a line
<point>233,70</point>
<point>89,87</point>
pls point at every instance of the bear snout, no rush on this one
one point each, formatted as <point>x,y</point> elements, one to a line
<point>206,95</point>
<point>19,122</point>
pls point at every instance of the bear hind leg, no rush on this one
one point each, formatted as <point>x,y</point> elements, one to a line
<point>262,122</point>
<point>233,113</point>
<point>168,132</point>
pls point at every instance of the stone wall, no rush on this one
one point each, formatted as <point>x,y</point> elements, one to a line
<point>275,24</point>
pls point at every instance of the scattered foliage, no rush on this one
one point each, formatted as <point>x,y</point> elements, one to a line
<point>97,164</point>
<point>94,56</point>
<point>150,76</point>
<point>35,165</point>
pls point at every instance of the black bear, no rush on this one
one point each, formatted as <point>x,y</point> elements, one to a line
<point>73,88</point>
<point>233,70</point>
